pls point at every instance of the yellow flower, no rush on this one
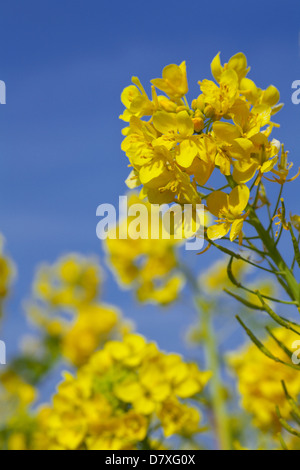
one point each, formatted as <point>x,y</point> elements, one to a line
<point>130,352</point>
<point>197,156</point>
<point>72,282</point>
<point>17,422</point>
<point>114,400</point>
<point>265,287</point>
<point>259,380</point>
<point>256,96</point>
<point>134,427</point>
<point>179,147</point>
<point>149,268</point>
<point>237,63</point>
<point>221,98</point>
<point>248,148</point>
<point>282,172</point>
<point>91,328</point>
<point>162,295</point>
<point>15,386</point>
<point>71,286</point>
<point>145,396</point>
<point>215,279</point>
<point>173,81</point>
<point>229,209</point>
<point>136,101</point>
<point>169,153</point>
<point>17,442</point>
<point>177,418</point>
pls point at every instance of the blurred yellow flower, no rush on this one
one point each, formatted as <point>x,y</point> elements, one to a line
<point>72,282</point>
<point>148,266</point>
<point>114,399</point>
<point>90,329</point>
<point>259,380</point>
<point>215,279</point>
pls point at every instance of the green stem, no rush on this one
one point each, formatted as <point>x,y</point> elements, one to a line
<point>216,386</point>
<point>293,286</point>
<point>212,362</point>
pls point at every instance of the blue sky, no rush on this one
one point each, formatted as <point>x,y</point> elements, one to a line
<point>65,63</point>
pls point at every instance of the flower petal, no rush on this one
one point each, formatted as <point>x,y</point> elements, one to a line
<point>239,198</point>
<point>226,132</point>
<point>216,67</point>
<point>188,151</point>
<point>236,228</point>
<point>214,232</point>
<point>216,202</point>
<point>244,171</point>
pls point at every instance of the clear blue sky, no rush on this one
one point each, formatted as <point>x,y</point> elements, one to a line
<point>65,63</point>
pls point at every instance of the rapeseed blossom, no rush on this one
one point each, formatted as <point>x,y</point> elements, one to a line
<point>148,266</point>
<point>123,392</point>
<point>66,307</point>
<point>215,279</point>
<point>16,422</point>
<point>71,282</point>
<point>230,211</point>
<point>260,380</point>
<point>126,389</point>
<point>174,148</point>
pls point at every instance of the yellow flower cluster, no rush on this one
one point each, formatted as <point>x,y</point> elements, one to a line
<point>149,266</point>
<point>215,278</point>
<point>73,284</point>
<point>174,148</point>
<point>126,390</point>
<point>259,380</point>
<point>15,397</point>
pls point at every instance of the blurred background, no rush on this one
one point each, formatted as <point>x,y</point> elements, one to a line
<point>65,64</point>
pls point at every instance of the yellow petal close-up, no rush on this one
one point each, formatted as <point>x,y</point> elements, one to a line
<point>226,132</point>
<point>185,124</point>
<point>174,81</point>
<point>238,199</point>
<point>217,202</point>
<point>271,96</point>
<point>236,228</point>
<point>188,151</point>
<point>238,63</point>
<point>165,122</point>
<point>244,171</point>
<point>216,67</point>
<point>215,232</point>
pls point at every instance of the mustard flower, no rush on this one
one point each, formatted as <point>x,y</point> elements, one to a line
<point>116,398</point>
<point>259,380</point>
<point>230,211</point>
